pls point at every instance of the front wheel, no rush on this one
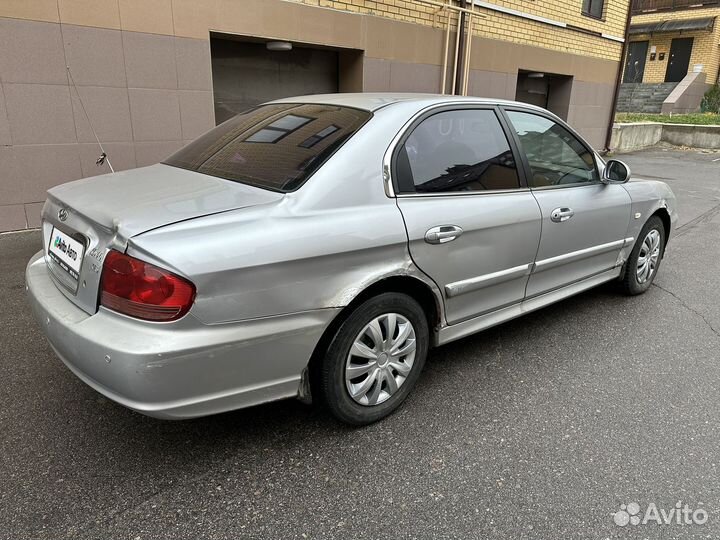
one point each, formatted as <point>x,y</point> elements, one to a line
<point>374,359</point>
<point>644,261</point>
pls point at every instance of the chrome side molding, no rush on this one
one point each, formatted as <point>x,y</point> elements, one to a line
<point>580,254</point>
<point>473,284</point>
<point>452,332</point>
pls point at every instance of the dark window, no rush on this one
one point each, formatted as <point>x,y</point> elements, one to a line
<point>451,151</point>
<point>274,147</point>
<point>593,8</point>
<point>319,136</point>
<point>284,125</point>
<point>555,155</point>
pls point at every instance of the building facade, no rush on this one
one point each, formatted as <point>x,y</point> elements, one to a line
<point>681,37</point>
<point>673,54</point>
<point>147,76</point>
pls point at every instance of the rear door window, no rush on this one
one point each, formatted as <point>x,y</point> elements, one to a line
<point>276,147</point>
<point>452,151</point>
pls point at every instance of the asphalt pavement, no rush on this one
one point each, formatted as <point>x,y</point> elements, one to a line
<point>539,428</point>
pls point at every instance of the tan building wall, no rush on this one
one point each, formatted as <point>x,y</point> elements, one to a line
<point>501,26</point>
<point>706,44</point>
<point>143,70</point>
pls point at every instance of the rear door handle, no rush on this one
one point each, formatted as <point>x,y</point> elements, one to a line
<point>442,234</point>
<point>561,214</point>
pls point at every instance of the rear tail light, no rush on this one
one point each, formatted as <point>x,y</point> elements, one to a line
<point>139,289</point>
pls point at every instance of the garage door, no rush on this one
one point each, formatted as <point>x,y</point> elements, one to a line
<point>247,73</point>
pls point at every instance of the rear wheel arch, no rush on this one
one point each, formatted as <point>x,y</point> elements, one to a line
<point>411,286</point>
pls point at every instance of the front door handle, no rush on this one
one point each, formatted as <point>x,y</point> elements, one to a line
<point>561,214</point>
<point>442,234</point>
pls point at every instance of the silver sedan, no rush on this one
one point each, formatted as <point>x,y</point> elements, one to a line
<point>317,247</point>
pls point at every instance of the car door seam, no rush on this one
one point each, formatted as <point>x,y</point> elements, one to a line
<point>443,316</point>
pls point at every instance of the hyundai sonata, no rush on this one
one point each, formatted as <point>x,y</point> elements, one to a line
<point>317,247</point>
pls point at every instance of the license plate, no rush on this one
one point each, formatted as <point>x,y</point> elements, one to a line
<point>66,252</point>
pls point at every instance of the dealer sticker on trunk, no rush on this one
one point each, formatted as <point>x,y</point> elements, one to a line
<point>66,252</point>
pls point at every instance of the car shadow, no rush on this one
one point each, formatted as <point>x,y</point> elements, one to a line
<point>102,447</point>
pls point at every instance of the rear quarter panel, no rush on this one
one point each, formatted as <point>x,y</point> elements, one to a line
<point>315,248</point>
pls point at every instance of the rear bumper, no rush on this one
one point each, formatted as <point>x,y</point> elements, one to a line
<point>176,370</point>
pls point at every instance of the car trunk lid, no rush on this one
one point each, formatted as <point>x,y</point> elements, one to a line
<point>138,200</point>
<point>88,217</point>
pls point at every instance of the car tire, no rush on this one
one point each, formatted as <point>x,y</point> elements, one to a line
<point>361,359</point>
<point>641,269</point>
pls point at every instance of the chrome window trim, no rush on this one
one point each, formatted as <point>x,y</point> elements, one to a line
<point>387,157</point>
<point>599,160</point>
<point>463,193</point>
<point>473,284</point>
<point>569,186</point>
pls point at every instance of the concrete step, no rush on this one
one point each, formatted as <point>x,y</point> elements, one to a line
<point>643,97</point>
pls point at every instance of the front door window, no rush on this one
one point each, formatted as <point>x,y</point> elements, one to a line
<point>556,157</point>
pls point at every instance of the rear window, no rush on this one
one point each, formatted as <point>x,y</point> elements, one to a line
<point>276,147</point>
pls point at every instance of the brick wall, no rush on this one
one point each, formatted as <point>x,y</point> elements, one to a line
<point>706,45</point>
<point>510,28</point>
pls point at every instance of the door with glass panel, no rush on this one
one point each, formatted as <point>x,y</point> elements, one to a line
<point>473,227</point>
<point>584,221</point>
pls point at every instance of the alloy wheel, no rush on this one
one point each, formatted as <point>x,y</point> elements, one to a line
<point>648,256</point>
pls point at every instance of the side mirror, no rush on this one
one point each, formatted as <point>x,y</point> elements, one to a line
<point>615,172</point>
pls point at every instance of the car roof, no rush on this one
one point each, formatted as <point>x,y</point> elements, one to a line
<point>372,101</point>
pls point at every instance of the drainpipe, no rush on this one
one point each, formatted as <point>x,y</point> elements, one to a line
<point>443,84</point>
<point>618,79</point>
<point>460,63</point>
<point>468,50</point>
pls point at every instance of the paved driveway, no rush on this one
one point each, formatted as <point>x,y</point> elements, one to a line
<point>540,428</point>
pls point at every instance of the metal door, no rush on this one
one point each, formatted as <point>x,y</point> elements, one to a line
<point>679,60</point>
<point>635,63</point>
<point>472,226</point>
<point>584,221</point>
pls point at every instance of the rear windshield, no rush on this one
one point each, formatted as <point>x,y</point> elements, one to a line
<point>276,147</point>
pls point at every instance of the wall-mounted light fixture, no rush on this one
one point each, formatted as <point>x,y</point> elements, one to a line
<point>278,46</point>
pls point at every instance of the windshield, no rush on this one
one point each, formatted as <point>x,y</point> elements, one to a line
<point>275,147</point>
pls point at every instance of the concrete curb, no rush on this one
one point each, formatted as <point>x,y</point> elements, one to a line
<point>635,136</point>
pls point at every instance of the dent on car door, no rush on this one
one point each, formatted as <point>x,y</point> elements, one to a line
<point>584,221</point>
<point>472,227</point>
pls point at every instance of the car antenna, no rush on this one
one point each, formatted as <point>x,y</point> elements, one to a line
<point>103,155</point>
